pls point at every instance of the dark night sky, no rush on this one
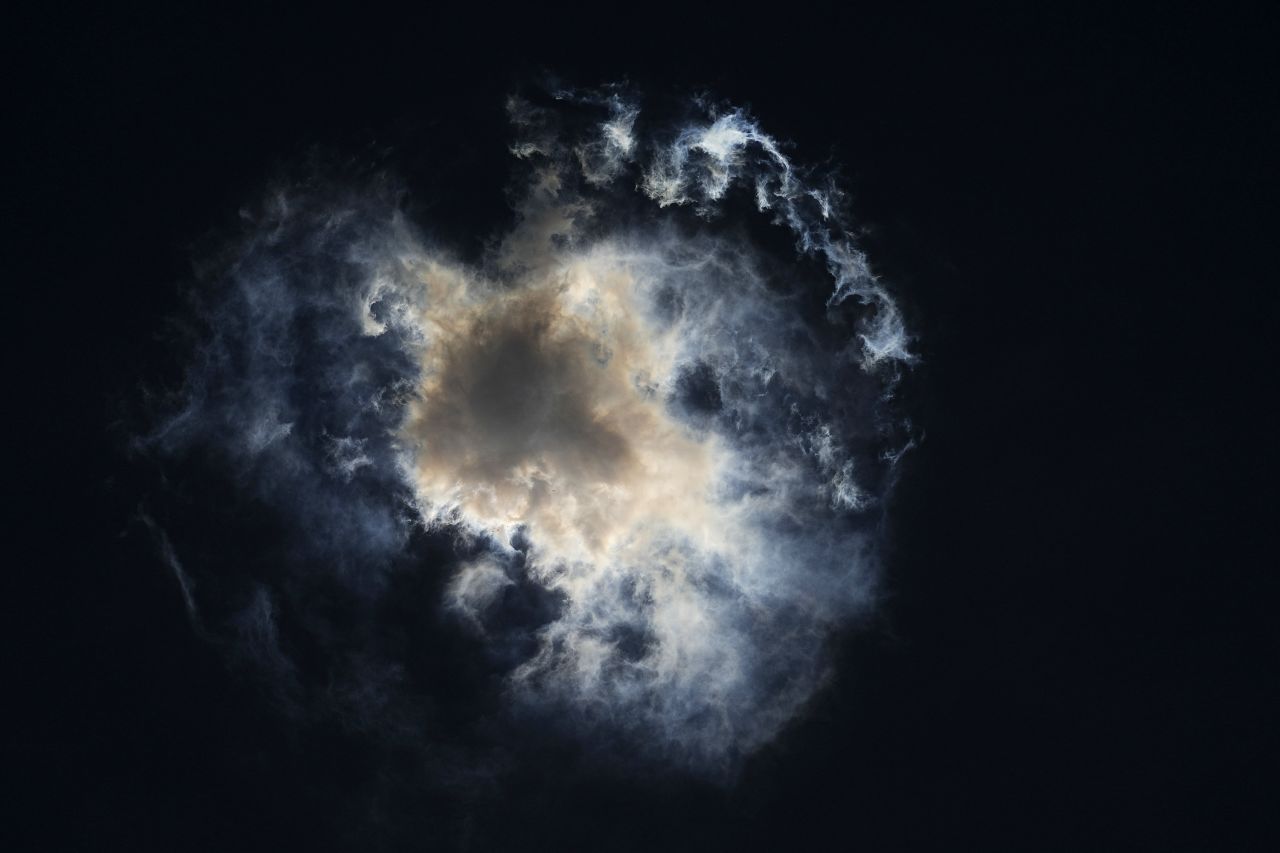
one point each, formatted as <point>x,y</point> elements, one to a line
<point>1071,209</point>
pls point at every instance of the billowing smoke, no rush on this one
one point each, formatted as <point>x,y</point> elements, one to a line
<point>639,453</point>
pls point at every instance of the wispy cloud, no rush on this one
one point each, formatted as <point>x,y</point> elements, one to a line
<point>618,406</point>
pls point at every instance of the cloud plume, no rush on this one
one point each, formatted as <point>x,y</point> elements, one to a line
<point>641,464</point>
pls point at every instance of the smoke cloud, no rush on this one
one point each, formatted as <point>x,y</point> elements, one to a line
<point>640,465</point>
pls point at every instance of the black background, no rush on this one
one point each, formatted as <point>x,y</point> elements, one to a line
<point>1073,210</point>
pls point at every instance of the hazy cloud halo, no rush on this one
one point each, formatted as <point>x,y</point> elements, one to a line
<point>627,405</point>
